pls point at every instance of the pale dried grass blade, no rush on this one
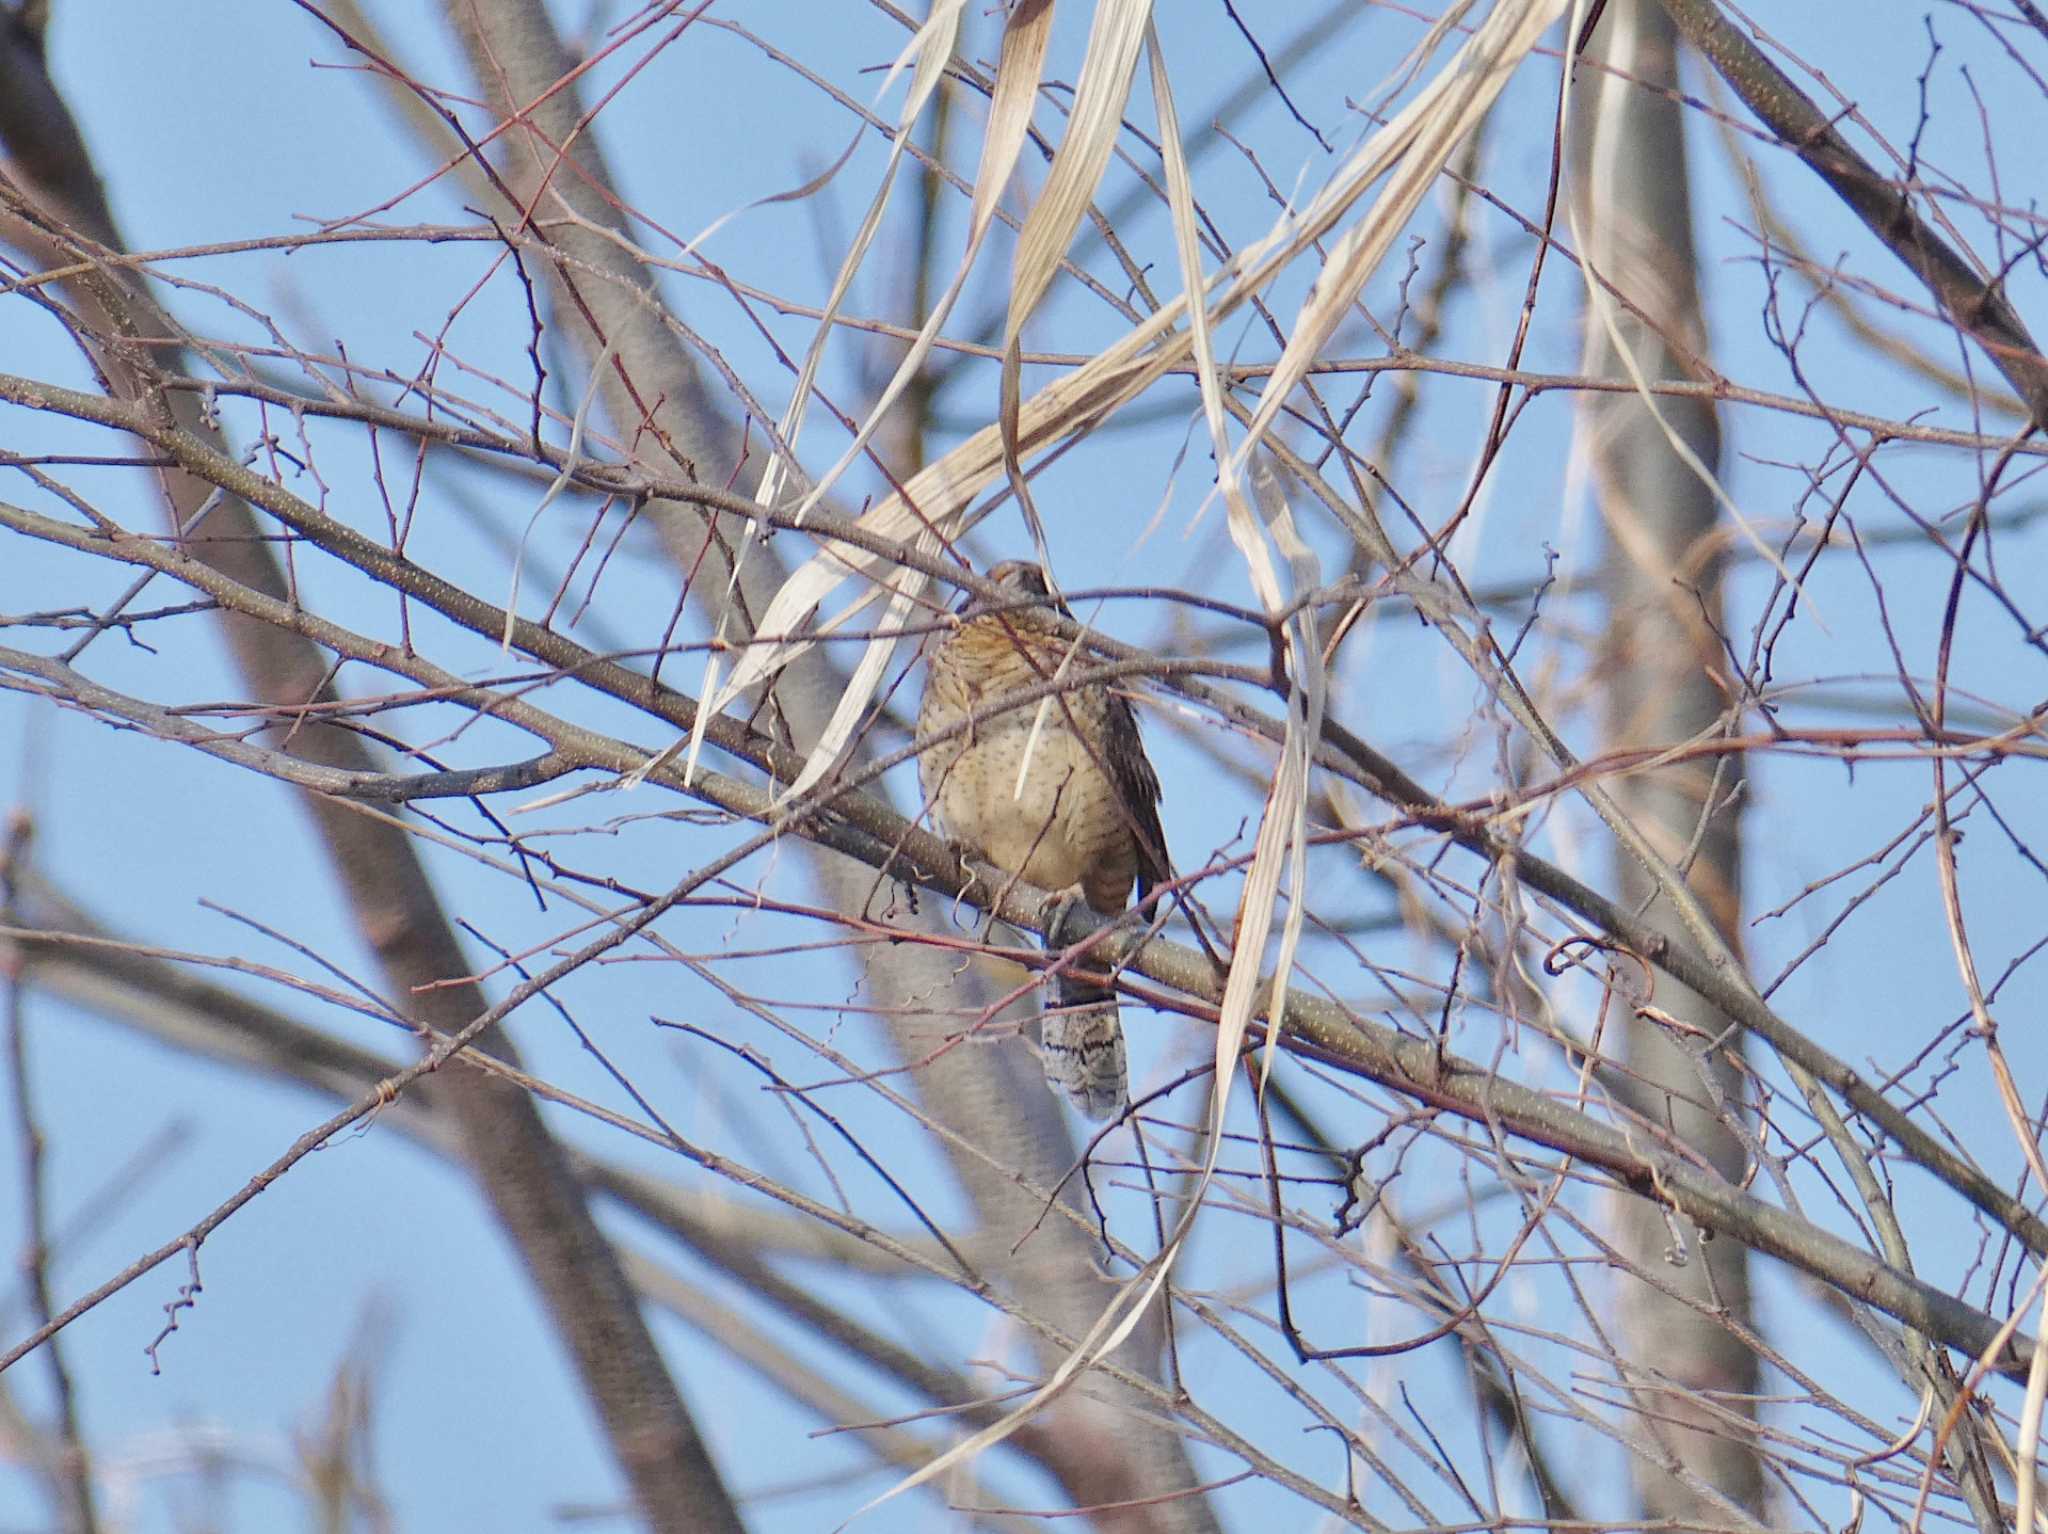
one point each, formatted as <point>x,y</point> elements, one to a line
<point>1283,830</point>
<point>1093,123</point>
<point>933,499</point>
<point>1180,200</point>
<point>1306,701</point>
<point>931,48</point>
<point>1025,39</point>
<point>2026,1487</point>
<point>800,193</point>
<point>1111,1329</point>
<point>1018,74</point>
<point>1414,146</point>
<point>1282,841</point>
<point>902,588</point>
<point>1100,95</point>
<point>1405,72</point>
<point>1124,1311</point>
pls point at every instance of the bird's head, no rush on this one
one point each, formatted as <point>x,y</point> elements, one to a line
<point>1021,576</point>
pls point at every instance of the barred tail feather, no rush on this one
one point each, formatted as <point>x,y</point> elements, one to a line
<point>1083,1052</point>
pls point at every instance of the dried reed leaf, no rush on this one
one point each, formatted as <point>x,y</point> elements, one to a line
<point>1414,143</point>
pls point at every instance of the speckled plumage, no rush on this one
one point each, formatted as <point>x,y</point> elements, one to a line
<point>1083,817</point>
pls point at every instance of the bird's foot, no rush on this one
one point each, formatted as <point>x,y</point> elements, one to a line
<point>1057,911</point>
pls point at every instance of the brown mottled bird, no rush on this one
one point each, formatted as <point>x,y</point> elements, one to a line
<point>1076,810</point>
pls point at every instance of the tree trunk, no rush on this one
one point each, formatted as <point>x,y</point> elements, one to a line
<point>1662,580</point>
<point>1005,1135</point>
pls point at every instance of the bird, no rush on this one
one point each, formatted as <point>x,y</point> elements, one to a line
<point>1056,790</point>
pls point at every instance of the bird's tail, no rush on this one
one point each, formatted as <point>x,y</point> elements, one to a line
<point>1083,1049</point>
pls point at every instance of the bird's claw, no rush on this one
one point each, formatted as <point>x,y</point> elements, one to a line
<point>1055,913</point>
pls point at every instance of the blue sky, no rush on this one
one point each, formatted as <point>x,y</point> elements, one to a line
<point>219,125</point>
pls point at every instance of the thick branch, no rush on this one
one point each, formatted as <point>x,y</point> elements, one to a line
<point>1342,752</point>
<point>848,820</point>
<point>519,1166</point>
<point>1977,308</point>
